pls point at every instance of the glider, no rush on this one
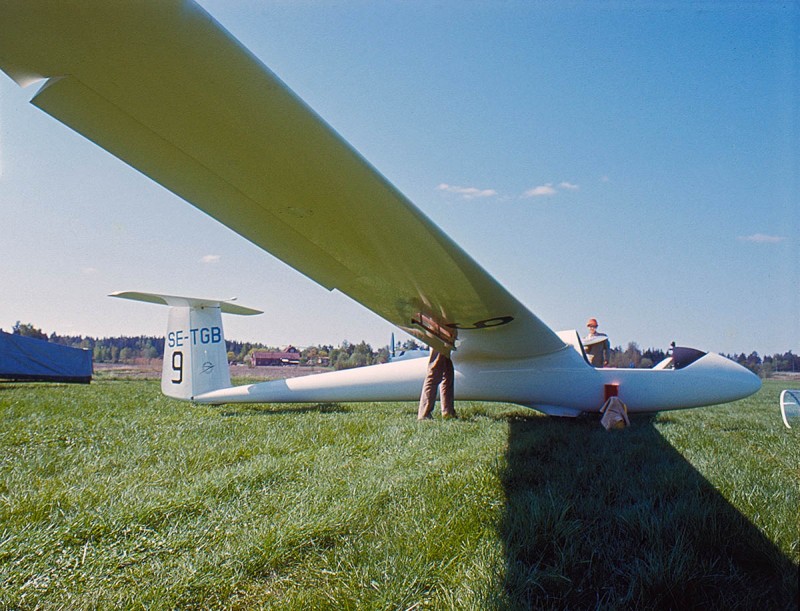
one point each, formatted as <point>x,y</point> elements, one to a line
<point>162,86</point>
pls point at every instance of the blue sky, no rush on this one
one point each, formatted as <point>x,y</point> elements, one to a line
<point>637,165</point>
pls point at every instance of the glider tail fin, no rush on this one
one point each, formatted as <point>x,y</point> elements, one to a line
<point>195,355</point>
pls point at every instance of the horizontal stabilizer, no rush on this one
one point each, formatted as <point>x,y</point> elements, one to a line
<point>226,305</point>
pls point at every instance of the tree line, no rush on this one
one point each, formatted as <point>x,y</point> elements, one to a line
<point>128,349</point>
<point>348,355</point>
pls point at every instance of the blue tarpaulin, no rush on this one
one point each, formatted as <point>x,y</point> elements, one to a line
<point>25,358</point>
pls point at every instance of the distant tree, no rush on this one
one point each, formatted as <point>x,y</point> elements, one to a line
<point>787,362</point>
<point>362,355</point>
<point>632,354</point>
<point>28,330</point>
<point>150,352</point>
<point>101,353</point>
<point>654,355</point>
<point>624,358</point>
<point>342,360</point>
<point>309,355</point>
<point>410,344</point>
<point>752,362</point>
<point>358,359</point>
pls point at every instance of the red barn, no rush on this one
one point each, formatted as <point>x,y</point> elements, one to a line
<point>265,358</point>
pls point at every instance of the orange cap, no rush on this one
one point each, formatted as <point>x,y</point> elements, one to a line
<point>592,322</point>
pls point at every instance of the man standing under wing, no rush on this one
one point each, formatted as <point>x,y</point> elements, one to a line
<point>440,372</point>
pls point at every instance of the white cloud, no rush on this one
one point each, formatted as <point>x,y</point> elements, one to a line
<point>210,259</point>
<point>466,192</point>
<point>540,191</point>
<point>546,190</point>
<point>89,271</point>
<point>761,238</point>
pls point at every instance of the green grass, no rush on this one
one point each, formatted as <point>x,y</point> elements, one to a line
<point>114,496</point>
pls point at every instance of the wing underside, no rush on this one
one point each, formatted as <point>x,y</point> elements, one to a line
<point>165,88</point>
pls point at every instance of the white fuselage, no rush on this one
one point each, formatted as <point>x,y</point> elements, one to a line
<point>561,383</point>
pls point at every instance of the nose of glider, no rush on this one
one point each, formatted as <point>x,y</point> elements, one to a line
<point>737,382</point>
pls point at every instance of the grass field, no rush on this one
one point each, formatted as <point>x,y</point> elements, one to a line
<point>112,496</point>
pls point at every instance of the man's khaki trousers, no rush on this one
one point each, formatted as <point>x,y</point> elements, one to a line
<point>440,372</point>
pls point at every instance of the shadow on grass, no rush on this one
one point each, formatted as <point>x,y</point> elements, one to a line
<point>621,520</point>
<point>290,408</point>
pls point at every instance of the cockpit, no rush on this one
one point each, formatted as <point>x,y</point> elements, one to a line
<point>679,357</point>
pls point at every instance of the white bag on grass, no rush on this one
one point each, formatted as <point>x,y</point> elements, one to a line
<point>615,414</point>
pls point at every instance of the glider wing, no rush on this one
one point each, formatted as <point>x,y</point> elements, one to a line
<point>165,88</point>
